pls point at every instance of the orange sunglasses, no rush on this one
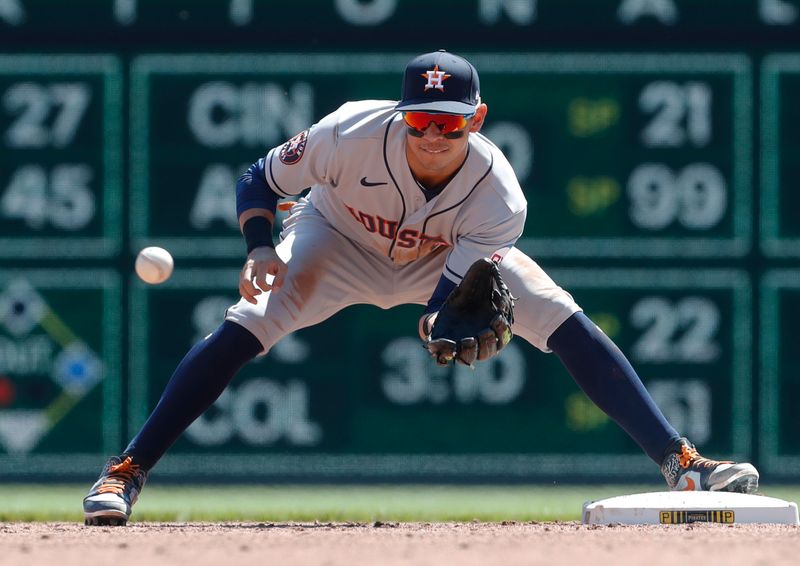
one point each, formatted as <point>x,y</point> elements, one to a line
<point>452,126</point>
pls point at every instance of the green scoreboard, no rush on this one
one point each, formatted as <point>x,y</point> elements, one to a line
<point>780,202</point>
<point>620,155</point>
<point>61,161</point>
<point>780,383</point>
<point>60,383</point>
<point>398,22</point>
<point>657,143</point>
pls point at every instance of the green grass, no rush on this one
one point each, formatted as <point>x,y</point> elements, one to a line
<point>330,503</point>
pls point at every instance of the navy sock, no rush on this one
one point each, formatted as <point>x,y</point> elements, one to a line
<point>198,381</point>
<point>609,380</point>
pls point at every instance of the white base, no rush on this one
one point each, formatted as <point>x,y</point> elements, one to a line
<point>680,507</point>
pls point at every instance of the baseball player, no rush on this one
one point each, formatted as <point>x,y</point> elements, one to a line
<point>405,197</point>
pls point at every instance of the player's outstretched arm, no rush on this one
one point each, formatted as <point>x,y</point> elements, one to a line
<point>255,205</point>
<point>262,259</point>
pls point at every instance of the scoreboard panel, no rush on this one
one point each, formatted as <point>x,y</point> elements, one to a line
<point>60,372</point>
<point>779,386</point>
<point>780,172</point>
<point>394,19</point>
<point>319,408</point>
<point>61,159</point>
<point>620,155</point>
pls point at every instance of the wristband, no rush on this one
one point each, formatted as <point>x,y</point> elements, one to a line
<point>257,233</point>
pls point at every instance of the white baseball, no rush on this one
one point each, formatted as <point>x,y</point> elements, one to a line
<point>154,265</point>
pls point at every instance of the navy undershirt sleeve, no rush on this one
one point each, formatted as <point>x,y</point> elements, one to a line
<point>252,190</point>
<point>443,289</point>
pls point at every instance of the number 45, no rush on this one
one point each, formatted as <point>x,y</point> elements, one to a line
<point>62,198</point>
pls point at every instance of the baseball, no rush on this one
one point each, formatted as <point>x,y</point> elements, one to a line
<point>154,265</point>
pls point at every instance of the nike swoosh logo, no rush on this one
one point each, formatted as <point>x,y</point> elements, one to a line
<point>689,485</point>
<point>370,184</point>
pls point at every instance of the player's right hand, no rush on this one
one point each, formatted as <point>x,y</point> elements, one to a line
<point>261,262</point>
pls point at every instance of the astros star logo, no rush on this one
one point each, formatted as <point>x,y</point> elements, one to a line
<point>435,78</point>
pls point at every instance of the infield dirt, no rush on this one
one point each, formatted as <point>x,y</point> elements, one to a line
<point>387,544</point>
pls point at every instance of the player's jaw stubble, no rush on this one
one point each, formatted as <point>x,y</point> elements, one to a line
<point>433,159</point>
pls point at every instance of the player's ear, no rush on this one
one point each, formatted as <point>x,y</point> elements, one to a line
<point>480,116</point>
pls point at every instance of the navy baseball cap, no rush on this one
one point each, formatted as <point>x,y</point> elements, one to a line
<point>440,82</point>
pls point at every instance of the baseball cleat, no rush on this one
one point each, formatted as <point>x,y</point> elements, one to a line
<point>111,498</point>
<point>686,470</point>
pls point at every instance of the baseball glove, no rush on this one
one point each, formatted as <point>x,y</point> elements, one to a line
<point>475,321</point>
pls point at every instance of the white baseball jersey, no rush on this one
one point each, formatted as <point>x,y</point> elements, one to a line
<point>365,233</point>
<point>354,160</point>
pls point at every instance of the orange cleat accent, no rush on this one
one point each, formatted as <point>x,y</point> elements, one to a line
<point>118,476</point>
<point>686,470</point>
<point>690,457</point>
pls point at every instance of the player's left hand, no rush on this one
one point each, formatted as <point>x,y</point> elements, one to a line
<point>475,321</point>
<point>261,262</point>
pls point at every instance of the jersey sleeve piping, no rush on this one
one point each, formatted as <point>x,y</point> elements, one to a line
<point>453,274</point>
<point>274,185</point>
